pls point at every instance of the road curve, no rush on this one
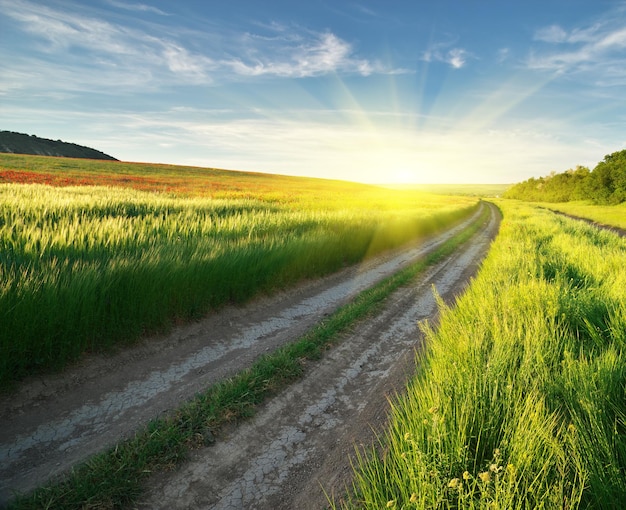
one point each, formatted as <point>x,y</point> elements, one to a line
<point>52,423</point>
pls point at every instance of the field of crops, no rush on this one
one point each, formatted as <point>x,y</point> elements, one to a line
<point>84,268</point>
<point>519,399</point>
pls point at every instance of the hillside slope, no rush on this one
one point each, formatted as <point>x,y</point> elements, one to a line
<point>19,143</point>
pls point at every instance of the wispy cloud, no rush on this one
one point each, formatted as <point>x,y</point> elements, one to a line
<point>551,34</point>
<point>597,50</point>
<point>457,57</point>
<point>366,10</point>
<point>77,41</point>
<point>290,56</point>
<point>137,7</point>
<point>503,55</point>
<point>443,52</point>
<point>94,43</point>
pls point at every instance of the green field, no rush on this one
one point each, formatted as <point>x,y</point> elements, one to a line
<point>519,398</point>
<point>85,268</point>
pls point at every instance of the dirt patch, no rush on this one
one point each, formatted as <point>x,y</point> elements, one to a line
<point>303,434</point>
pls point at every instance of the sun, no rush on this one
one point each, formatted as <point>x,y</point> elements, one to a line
<point>401,175</point>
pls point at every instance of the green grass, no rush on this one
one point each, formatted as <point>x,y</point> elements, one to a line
<point>613,215</point>
<point>114,479</point>
<point>519,400</point>
<point>87,268</point>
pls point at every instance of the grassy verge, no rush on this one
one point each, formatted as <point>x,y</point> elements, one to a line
<point>520,399</point>
<point>113,479</point>
<point>612,215</point>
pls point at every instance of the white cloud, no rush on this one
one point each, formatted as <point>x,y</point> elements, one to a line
<point>503,55</point>
<point>79,42</point>
<point>457,57</point>
<point>137,7</point>
<point>552,34</point>
<point>82,44</point>
<point>595,51</point>
<point>454,57</point>
<point>66,30</point>
<point>320,54</point>
<point>612,40</point>
<point>182,62</point>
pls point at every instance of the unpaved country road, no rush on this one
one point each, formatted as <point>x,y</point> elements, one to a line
<point>297,441</point>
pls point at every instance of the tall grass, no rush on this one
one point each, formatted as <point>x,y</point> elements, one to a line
<point>85,268</point>
<point>614,215</point>
<point>520,396</point>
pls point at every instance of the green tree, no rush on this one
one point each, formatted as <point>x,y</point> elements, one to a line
<point>579,179</point>
<point>607,182</point>
<point>556,187</point>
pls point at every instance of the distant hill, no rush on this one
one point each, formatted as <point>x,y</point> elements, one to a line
<point>19,143</point>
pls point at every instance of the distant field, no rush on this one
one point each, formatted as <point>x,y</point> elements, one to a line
<point>193,180</point>
<point>112,251</point>
<point>473,190</point>
<point>181,180</point>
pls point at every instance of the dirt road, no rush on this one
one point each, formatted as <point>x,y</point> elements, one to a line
<point>298,442</point>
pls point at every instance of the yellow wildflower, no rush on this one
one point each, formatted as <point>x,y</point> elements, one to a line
<point>391,504</point>
<point>485,477</point>
<point>454,483</point>
<point>413,498</point>
<point>466,475</point>
<point>495,468</point>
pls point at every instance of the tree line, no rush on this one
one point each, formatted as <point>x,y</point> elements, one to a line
<point>604,185</point>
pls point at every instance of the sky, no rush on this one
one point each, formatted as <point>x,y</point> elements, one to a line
<point>375,91</point>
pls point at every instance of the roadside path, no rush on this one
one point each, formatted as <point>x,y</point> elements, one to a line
<point>55,422</point>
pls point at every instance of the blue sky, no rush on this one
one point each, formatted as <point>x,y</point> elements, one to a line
<point>446,91</point>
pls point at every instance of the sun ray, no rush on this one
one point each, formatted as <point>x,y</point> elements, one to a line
<point>501,101</point>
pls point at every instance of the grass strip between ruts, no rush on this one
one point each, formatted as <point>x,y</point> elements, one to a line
<point>113,479</point>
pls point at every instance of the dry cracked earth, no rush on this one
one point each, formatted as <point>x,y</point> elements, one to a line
<point>297,449</point>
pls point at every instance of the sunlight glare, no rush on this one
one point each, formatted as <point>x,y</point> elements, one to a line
<point>401,175</point>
